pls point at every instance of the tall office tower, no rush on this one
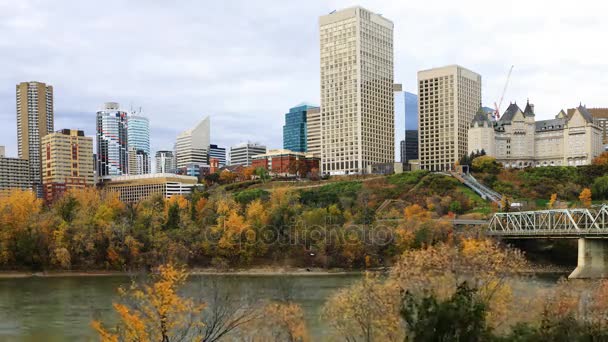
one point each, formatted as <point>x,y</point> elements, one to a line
<point>66,162</point>
<point>139,162</point>
<point>294,130</point>
<point>165,162</point>
<point>138,132</point>
<point>219,153</point>
<point>406,119</point>
<point>192,145</point>
<point>313,131</point>
<point>34,121</point>
<point>448,100</point>
<point>112,141</point>
<point>242,154</point>
<point>357,116</point>
<point>2,152</point>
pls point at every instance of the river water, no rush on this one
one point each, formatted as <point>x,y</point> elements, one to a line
<point>61,308</point>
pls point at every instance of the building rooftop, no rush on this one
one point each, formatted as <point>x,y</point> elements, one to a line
<point>153,176</point>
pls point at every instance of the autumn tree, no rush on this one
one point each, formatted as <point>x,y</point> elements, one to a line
<point>585,197</point>
<point>281,321</point>
<point>366,311</point>
<point>602,159</point>
<point>227,176</point>
<point>552,201</point>
<point>440,269</point>
<point>154,311</point>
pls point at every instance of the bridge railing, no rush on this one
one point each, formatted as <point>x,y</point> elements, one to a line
<point>576,221</point>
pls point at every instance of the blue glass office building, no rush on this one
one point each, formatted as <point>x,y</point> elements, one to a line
<point>294,130</point>
<point>406,126</point>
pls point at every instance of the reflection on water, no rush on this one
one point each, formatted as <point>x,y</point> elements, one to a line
<point>60,309</point>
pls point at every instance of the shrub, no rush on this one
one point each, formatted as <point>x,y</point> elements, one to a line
<point>600,187</point>
<point>246,196</point>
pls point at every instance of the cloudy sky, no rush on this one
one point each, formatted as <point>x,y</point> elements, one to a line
<point>245,63</point>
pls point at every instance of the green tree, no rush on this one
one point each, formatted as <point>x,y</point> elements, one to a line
<point>600,187</point>
<point>462,317</point>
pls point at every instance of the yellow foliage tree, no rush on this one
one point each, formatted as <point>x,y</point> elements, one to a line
<point>585,197</point>
<point>154,312</point>
<point>366,311</point>
<point>441,268</point>
<point>552,201</point>
<point>282,321</point>
<point>602,159</point>
<point>18,215</point>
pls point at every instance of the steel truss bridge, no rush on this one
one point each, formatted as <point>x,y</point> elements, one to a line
<point>553,223</point>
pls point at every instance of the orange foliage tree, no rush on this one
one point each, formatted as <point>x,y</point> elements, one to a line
<point>585,197</point>
<point>155,312</point>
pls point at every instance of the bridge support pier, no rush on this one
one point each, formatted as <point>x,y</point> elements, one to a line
<point>592,259</point>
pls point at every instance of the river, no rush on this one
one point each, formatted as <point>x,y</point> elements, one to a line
<point>61,308</point>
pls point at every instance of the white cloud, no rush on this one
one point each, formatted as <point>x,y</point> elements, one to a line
<point>246,62</point>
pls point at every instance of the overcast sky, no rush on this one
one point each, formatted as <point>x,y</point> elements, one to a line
<point>245,63</point>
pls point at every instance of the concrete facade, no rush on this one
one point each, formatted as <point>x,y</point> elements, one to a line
<point>192,146</point>
<point>357,101</point>
<point>448,98</point>
<point>132,189</point>
<point>35,119</point>
<point>14,175</point>
<point>243,154</point>
<point>66,162</point>
<point>313,131</point>
<point>592,262</point>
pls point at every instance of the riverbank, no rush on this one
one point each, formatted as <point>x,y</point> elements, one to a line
<point>265,271</point>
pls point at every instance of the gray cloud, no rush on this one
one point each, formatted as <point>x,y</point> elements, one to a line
<point>245,63</point>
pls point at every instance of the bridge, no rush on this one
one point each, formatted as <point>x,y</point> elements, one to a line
<point>589,226</point>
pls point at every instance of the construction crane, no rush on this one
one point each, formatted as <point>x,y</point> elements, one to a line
<point>504,90</point>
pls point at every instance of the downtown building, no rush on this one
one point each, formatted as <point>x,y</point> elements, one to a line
<point>406,126</point>
<point>132,189</point>
<point>14,174</point>
<point>448,98</point>
<point>286,163</point>
<point>313,131</point>
<point>218,153</point>
<point>295,128</point>
<point>112,141</point>
<point>192,146</point>
<point>34,120</point>
<point>518,140</point>
<point>165,162</point>
<point>66,162</point>
<point>357,114</point>
<point>138,134</point>
<point>242,154</point>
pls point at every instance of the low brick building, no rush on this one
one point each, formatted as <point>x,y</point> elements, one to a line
<point>286,163</point>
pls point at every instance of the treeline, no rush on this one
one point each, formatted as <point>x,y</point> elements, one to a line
<point>335,225</point>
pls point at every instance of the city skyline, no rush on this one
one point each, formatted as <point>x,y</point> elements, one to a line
<point>245,96</point>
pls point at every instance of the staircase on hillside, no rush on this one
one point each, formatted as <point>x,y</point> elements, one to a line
<point>482,190</point>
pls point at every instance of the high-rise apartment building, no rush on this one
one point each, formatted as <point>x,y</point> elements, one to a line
<point>357,114</point>
<point>112,141</point>
<point>66,162</point>
<point>294,130</point>
<point>139,162</point>
<point>138,132</point>
<point>313,131</point>
<point>14,175</point>
<point>2,152</point>
<point>406,119</point>
<point>242,154</point>
<point>192,146</point>
<point>219,153</point>
<point>165,162</point>
<point>448,98</point>
<point>34,121</point>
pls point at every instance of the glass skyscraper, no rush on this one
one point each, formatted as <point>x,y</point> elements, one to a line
<point>406,125</point>
<point>294,130</point>
<point>112,156</point>
<point>139,141</point>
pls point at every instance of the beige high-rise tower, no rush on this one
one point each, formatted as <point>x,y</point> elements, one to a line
<point>34,121</point>
<point>448,98</point>
<point>357,120</point>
